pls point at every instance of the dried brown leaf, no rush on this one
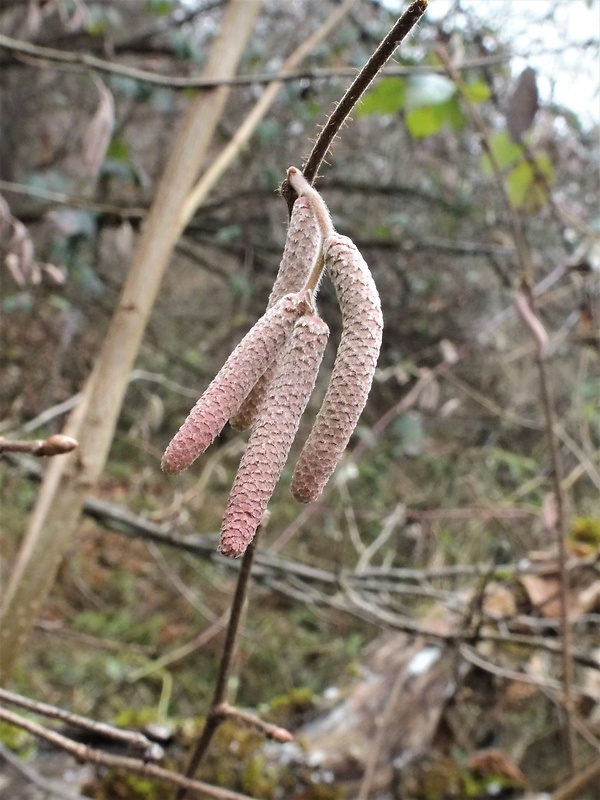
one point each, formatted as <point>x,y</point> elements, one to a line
<point>98,132</point>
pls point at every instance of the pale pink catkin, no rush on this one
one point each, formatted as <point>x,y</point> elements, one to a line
<point>238,375</point>
<point>302,246</point>
<point>353,371</point>
<point>273,434</point>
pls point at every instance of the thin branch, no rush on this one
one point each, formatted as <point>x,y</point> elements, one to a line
<point>360,84</point>
<point>87,61</point>
<point>83,752</point>
<point>275,732</point>
<point>130,738</point>
<point>56,445</point>
<point>214,718</point>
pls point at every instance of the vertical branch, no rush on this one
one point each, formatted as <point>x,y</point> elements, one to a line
<point>215,716</point>
<point>357,88</point>
<point>524,305</point>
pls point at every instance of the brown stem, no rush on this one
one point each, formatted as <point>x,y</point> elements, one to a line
<point>56,445</point>
<point>354,92</point>
<point>215,716</point>
<point>269,730</point>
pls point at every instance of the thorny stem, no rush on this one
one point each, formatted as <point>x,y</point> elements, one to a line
<point>354,92</point>
<point>534,325</point>
<point>215,716</point>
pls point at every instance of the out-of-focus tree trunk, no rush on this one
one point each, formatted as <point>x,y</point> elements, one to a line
<point>69,478</point>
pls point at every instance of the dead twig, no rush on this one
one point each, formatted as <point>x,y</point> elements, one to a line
<point>56,445</point>
<point>83,752</point>
<point>130,738</point>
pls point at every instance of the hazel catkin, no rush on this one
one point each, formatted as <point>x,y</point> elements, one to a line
<point>273,434</point>
<point>301,251</point>
<point>238,375</point>
<point>353,371</point>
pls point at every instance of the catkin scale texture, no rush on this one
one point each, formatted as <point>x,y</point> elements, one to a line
<point>273,434</point>
<point>302,246</point>
<point>232,384</point>
<point>353,371</point>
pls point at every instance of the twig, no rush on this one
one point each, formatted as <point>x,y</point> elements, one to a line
<point>83,752</point>
<point>56,445</point>
<point>275,732</point>
<point>287,75</point>
<point>131,738</point>
<point>359,85</point>
<point>213,718</point>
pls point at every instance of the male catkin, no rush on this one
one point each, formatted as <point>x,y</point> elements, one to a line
<point>356,359</point>
<point>302,248</point>
<point>238,375</point>
<point>273,434</point>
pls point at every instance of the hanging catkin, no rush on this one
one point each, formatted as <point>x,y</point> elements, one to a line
<point>238,375</point>
<point>302,249</point>
<point>353,371</point>
<point>273,434</point>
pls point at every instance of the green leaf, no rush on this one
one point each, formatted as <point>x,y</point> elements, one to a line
<point>524,189</point>
<point>428,90</point>
<point>428,120</point>
<point>478,91</point>
<point>505,151</point>
<point>159,7</point>
<point>387,97</point>
<point>424,121</point>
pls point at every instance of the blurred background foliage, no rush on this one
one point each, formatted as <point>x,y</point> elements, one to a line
<point>450,461</point>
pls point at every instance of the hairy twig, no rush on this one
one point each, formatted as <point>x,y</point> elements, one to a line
<point>360,84</point>
<point>254,116</point>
